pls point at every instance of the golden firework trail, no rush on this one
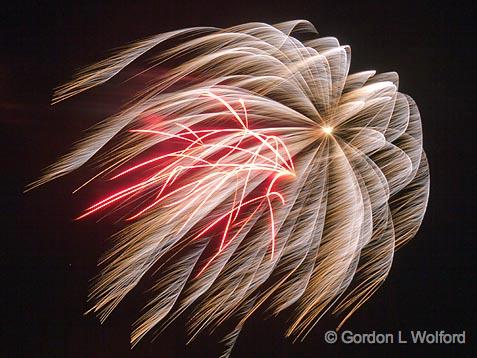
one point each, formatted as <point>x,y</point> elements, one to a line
<point>265,176</point>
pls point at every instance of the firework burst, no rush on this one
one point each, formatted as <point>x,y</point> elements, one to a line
<point>266,176</point>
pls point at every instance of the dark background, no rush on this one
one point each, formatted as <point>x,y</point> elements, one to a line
<point>48,259</point>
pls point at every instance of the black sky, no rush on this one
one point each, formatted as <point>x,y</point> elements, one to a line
<point>47,259</point>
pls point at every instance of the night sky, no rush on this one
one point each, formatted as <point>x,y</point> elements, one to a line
<point>48,259</point>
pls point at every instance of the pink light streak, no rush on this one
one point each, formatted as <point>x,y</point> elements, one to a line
<point>188,178</point>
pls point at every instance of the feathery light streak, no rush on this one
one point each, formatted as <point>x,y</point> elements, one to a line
<point>268,177</point>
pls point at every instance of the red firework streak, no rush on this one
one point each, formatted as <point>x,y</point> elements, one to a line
<point>212,158</point>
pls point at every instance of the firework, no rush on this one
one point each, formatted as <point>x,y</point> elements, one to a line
<point>259,174</point>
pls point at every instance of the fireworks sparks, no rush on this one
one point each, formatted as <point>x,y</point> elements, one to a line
<point>270,177</point>
<point>239,152</point>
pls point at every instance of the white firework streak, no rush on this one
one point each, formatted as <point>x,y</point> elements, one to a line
<point>293,184</point>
